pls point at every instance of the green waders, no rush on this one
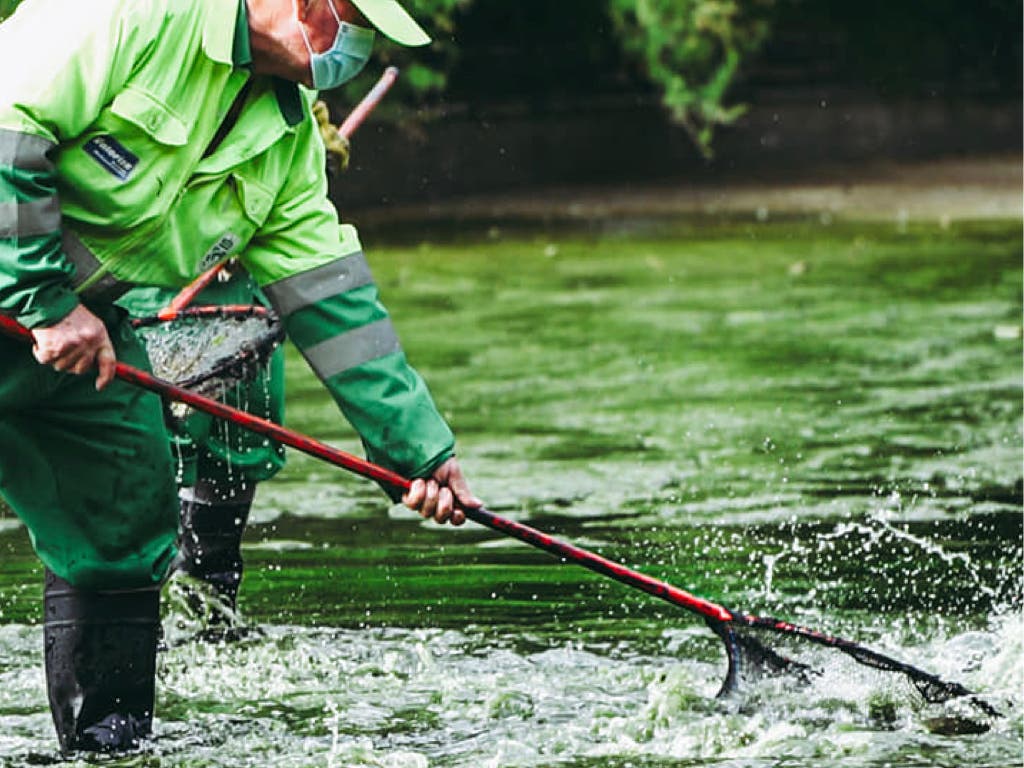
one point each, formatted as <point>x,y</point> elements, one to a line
<point>90,475</point>
<point>220,462</point>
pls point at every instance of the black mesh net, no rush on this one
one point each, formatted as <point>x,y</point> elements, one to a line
<point>769,646</point>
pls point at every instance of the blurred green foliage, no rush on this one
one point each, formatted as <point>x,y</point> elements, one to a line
<point>693,51</point>
<point>424,70</point>
<point>690,51</point>
<point>697,56</point>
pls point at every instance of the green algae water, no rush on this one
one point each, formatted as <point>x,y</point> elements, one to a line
<point>821,423</point>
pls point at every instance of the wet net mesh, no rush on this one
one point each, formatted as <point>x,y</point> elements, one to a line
<point>210,349</point>
<point>759,640</point>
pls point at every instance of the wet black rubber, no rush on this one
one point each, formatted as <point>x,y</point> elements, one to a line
<point>210,545</point>
<point>100,658</point>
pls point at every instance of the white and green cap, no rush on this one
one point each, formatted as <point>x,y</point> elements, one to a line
<point>393,21</point>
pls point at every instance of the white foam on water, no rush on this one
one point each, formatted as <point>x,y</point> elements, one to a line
<point>390,698</point>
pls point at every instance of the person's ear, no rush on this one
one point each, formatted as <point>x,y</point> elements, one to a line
<point>304,8</point>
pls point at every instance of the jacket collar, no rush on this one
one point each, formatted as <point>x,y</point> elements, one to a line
<point>223,16</point>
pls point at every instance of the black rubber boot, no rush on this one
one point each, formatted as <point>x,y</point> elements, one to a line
<point>100,653</point>
<point>210,549</point>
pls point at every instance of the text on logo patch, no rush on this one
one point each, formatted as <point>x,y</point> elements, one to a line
<point>112,155</point>
<point>220,250</point>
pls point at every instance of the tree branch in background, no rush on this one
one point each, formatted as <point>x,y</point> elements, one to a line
<point>693,51</point>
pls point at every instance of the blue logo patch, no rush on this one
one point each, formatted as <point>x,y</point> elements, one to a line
<point>112,155</point>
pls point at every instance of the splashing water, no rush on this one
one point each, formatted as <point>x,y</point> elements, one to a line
<point>878,532</point>
<point>379,640</point>
<point>302,696</point>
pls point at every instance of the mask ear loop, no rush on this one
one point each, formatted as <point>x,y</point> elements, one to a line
<point>334,12</point>
<point>302,27</point>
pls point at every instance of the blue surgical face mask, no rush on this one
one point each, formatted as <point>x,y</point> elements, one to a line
<point>344,59</point>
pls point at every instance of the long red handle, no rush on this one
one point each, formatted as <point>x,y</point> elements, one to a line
<point>602,565</point>
<point>313,447</point>
<point>368,102</point>
<point>190,291</point>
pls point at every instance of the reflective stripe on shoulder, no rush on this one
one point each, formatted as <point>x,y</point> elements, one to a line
<point>307,288</point>
<point>36,217</point>
<point>353,348</point>
<point>24,150</point>
<point>91,281</point>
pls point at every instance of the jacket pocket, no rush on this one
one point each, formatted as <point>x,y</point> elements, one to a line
<point>129,167</point>
<point>255,198</point>
<point>147,113</point>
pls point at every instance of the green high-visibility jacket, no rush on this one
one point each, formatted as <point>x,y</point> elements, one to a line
<point>113,174</point>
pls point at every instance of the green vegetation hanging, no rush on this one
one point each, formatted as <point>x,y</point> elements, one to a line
<point>693,51</point>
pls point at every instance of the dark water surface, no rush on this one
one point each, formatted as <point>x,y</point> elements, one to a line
<point>820,423</point>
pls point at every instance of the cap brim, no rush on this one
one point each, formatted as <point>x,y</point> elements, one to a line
<point>393,21</point>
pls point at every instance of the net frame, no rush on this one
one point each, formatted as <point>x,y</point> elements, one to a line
<point>745,649</point>
<point>239,361</point>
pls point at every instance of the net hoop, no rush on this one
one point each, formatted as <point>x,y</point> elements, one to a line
<point>208,348</point>
<point>745,650</point>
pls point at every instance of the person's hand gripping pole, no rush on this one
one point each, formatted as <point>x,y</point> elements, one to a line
<point>76,344</point>
<point>443,496</point>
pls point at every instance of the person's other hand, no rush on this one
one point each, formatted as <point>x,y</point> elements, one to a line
<point>76,344</point>
<point>442,495</point>
<point>336,144</point>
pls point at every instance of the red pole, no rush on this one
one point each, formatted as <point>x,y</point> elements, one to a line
<point>368,102</point>
<point>339,458</point>
<point>190,291</point>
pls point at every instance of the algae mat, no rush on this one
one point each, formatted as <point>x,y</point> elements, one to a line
<point>818,422</point>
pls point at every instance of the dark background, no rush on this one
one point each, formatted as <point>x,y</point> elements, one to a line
<point>540,53</point>
<point>541,95</point>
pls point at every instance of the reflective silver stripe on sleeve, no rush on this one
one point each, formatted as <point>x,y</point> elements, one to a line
<point>352,348</point>
<point>24,151</point>
<point>37,217</point>
<point>87,284</point>
<point>306,288</point>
